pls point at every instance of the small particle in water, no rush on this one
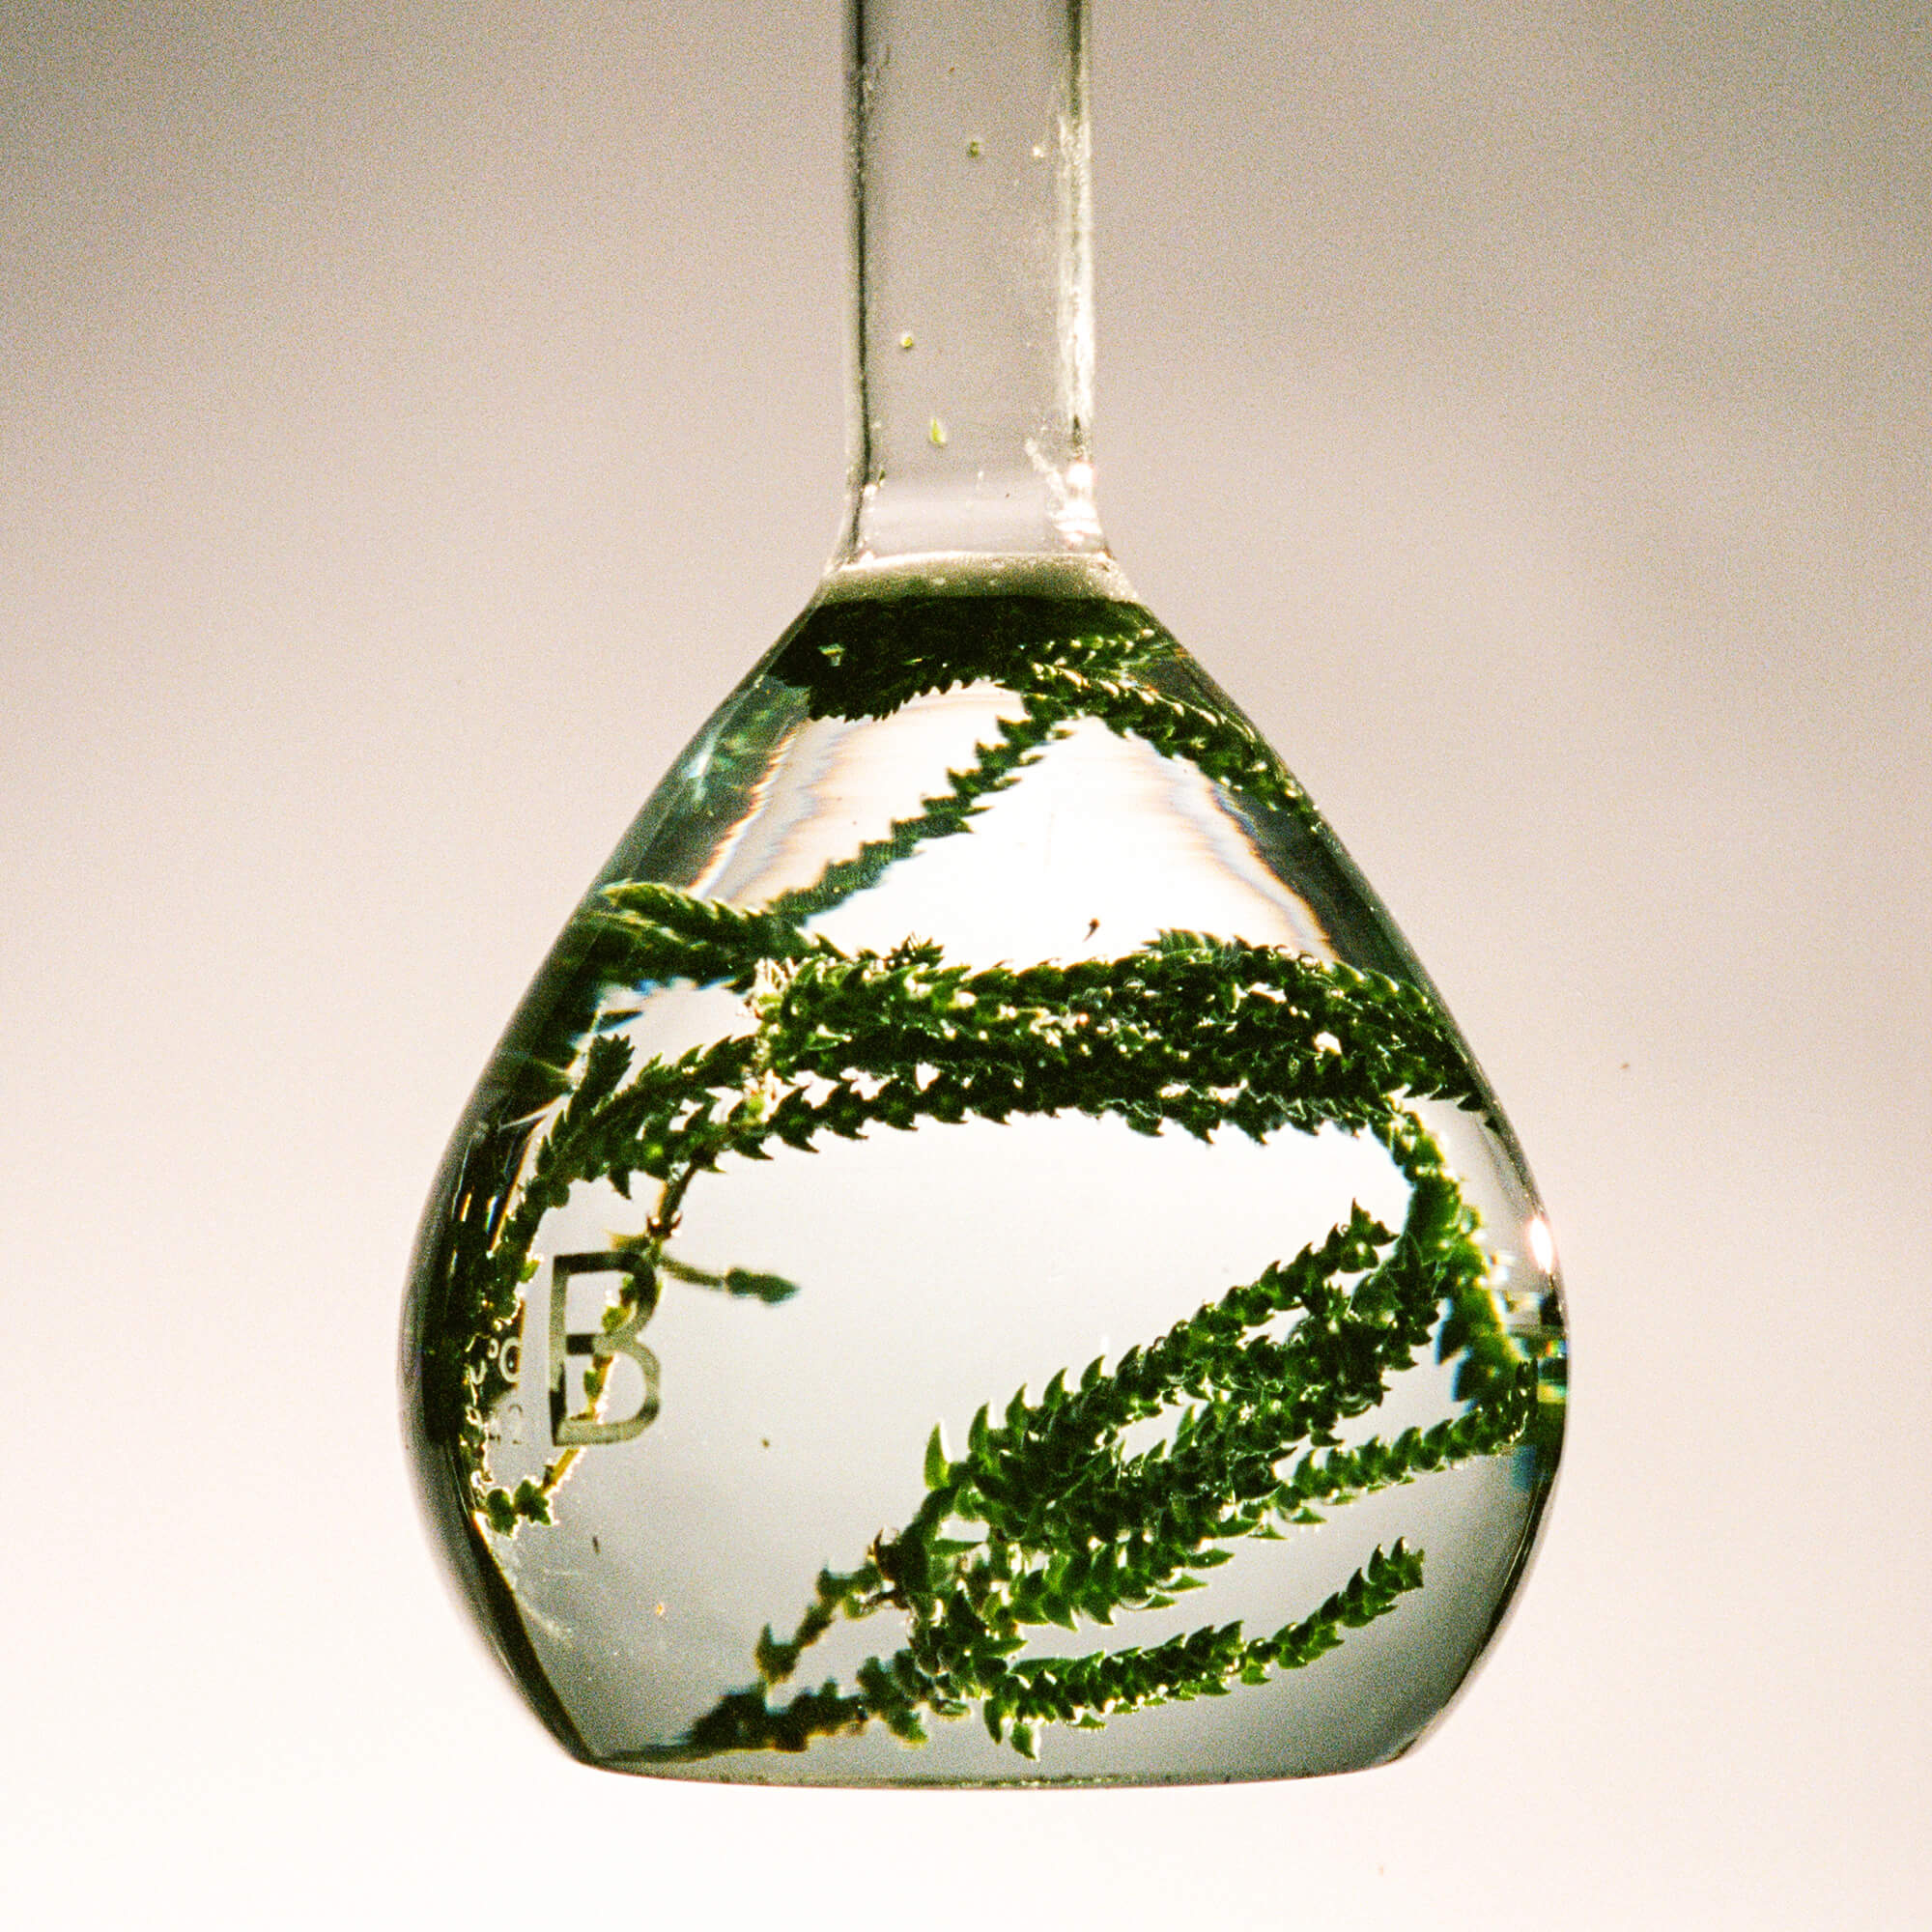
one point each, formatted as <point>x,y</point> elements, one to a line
<point>596,1546</point>
<point>1093,926</point>
<point>973,150</point>
<point>660,1608</point>
<point>1038,153</point>
<point>905,341</point>
<point>936,435</point>
<point>766,1440</point>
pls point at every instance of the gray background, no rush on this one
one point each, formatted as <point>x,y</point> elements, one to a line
<point>415,416</point>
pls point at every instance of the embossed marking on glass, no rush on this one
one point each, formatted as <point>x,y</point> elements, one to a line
<point>981,1257</point>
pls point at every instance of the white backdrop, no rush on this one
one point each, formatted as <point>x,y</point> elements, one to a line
<point>415,415</point>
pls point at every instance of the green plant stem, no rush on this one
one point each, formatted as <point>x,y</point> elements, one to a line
<point>1044,1517</point>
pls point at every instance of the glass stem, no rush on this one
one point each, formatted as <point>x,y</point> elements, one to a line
<point>972,313</point>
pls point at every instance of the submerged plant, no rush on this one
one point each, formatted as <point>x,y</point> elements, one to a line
<point>1050,1514</point>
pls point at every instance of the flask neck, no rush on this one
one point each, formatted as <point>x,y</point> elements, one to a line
<point>973,316</point>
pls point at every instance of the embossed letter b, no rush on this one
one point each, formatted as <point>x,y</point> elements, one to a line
<point>600,1344</point>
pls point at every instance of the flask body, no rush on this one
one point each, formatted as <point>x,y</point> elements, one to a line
<point>980,1258</point>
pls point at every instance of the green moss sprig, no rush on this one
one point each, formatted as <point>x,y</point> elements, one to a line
<point>1045,1518</point>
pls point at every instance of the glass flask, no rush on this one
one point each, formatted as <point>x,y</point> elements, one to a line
<point>981,1259</point>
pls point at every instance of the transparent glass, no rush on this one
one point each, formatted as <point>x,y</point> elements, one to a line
<point>981,1258</point>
